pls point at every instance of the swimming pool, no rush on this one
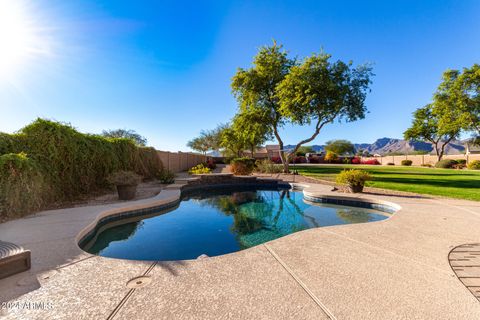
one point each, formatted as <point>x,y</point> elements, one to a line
<point>219,221</point>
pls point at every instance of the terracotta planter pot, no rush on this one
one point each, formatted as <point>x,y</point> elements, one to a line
<point>355,188</point>
<point>127,192</point>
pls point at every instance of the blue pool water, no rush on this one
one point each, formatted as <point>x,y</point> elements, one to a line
<point>219,222</point>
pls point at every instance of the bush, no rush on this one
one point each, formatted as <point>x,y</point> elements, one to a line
<point>267,166</point>
<point>210,164</point>
<point>353,177</point>
<point>125,178</point>
<point>166,176</point>
<point>406,162</point>
<point>371,161</point>
<point>200,169</point>
<point>461,161</point>
<point>390,164</point>
<point>276,160</point>
<point>299,159</point>
<point>22,187</point>
<point>474,165</point>
<point>446,164</point>
<point>73,164</point>
<point>330,156</point>
<point>242,166</point>
<point>356,160</point>
<point>314,159</point>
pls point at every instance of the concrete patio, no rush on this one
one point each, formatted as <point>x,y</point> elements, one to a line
<point>398,268</point>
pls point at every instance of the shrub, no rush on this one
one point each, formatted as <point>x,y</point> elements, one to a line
<point>71,163</point>
<point>461,161</point>
<point>276,160</point>
<point>474,165</point>
<point>242,166</point>
<point>314,159</point>
<point>428,165</point>
<point>267,166</point>
<point>406,162</point>
<point>166,176</point>
<point>125,178</point>
<point>299,159</point>
<point>356,160</point>
<point>353,178</point>
<point>200,169</point>
<point>347,160</point>
<point>210,164</point>
<point>445,163</point>
<point>390,164</point>
<point>330,156</point>
<point>371,161</point>
<point>22,187</point>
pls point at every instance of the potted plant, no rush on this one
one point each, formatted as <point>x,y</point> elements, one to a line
<point>126,183</point>
<point>354,179</point>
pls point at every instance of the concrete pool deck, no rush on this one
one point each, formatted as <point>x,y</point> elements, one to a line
<point>392,269</point>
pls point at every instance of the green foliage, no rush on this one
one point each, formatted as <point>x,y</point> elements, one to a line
<point>474,165</point>
<point>353,177</point>
<point>340,147</point>
<point>331,156</point>
<point>446,164</point>
<point>166,176</point>
<point>71,163</point>
<point>267,166</point>
<point>208,140</point>
<point>124,178</point>
<point>200,169</point>
<point>303,150</point>
<point>242,166</point>
<point>429,123</point>
<point>127,134</point>
<point>406,162</point>
<point>314,90</point>
<point>22,187</point>
<point>249,129</point>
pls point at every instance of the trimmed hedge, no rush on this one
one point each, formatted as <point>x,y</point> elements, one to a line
<point>446,164</point>
<point>72,163</point>
<point>406,162</point>
<point>474,165</point>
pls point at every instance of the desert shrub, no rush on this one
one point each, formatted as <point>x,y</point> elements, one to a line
<point>166,176</point>
<point>200,169</point>
<point>390,164</point>
<point>276,160</point>
<point>445,163</point>
<point>353,177</point>
<point>347,160</point>
<point>314,159</point>
<point>22,187</point>
<point>242,166</point>
<point>210,164</point>
<point>371,161</point>
<point>267,166</point>
<point>299,159</point>
<point>72,163</point>
<point>330,156</point>
<point>428,165</point>
<point>124,178</point>
<point>356,160</point>
<point>461,161</point>
<point>406,162</point>
<point>474,165</point>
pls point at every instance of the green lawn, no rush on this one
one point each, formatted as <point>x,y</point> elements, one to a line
<point>463,184</point>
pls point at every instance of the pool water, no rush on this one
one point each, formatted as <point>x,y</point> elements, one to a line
<point>219,222</point>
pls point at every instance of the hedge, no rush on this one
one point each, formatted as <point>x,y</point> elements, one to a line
<point>71,163</point>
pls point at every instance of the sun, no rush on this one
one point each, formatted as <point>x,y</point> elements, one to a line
<point>20,37</point>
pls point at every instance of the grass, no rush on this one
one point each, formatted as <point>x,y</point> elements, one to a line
<point>462,184</point>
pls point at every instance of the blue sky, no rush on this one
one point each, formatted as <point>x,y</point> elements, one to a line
<point>163,68</point>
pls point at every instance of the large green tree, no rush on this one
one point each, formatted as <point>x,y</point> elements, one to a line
<point>312,91</point>
<point>459,96</point>
<point>208,140</point>
<point>439,126</point>
<point>340,147</point>
<point>250,130</point>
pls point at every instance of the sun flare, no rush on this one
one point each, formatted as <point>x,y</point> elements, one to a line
<point>20,37</point>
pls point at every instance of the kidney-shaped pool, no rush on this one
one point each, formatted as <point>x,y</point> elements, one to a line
<point>215,222</point>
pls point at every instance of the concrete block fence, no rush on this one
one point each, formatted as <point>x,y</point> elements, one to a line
<point>418,160</point>
<point>180,161</point>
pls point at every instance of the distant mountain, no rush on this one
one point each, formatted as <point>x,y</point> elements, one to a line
<point>389,145</point>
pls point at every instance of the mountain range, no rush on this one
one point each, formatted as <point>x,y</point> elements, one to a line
<point>389,145</point>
